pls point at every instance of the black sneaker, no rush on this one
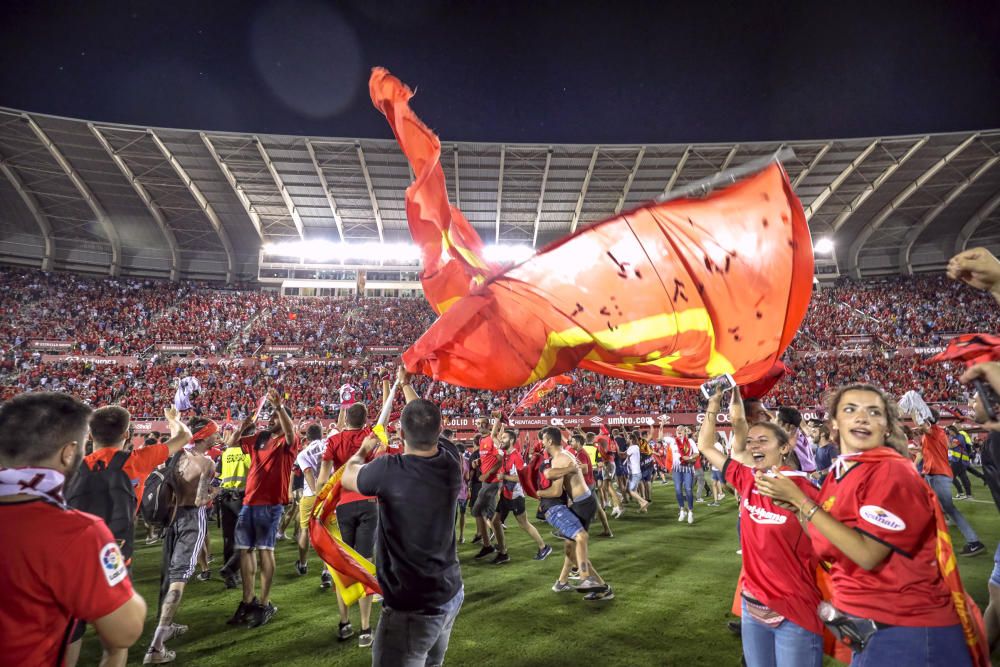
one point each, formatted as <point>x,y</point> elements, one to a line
<point>242,612</point>
<point>301,568</point>
<point>477,538</point>
<point>735,627</point>
<point>205,576</point>
<point>543,553</point>
<point>972,548</point>
<point>501,559</point>
<point>262,614</point>
<point>344,631</point>
<point>485,551</point>
<point>604,594</point>
<point>231,583</point>
<point>325,580</point>
<point>365,638</point>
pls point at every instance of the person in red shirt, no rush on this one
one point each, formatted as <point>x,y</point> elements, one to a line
<point>875,524</point>
<point>512,500</point>
<point>938,473</point>
<point>357,515</point>
<point>780,595</point>
<point>484,508</point>
<point>272,455</point>
<point>73,569</point>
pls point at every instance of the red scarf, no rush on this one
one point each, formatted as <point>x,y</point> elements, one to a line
<point>965,607</point>
<point>684,447</point>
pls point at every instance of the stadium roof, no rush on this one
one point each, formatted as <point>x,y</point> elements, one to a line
<point>185,203</point>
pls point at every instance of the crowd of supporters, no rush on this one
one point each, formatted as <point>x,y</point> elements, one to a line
<point>104,317</point>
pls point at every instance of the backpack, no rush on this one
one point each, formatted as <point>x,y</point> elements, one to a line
<point>159,496</point>
<point>106,491</point>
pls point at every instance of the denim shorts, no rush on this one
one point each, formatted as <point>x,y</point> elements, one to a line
<point>257,526</point>
<point>633,481</point>
<point>717,476</point>
<point>564,521</point>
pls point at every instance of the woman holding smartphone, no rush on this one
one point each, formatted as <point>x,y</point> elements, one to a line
<point>780,626</point>
<point>879,527</point>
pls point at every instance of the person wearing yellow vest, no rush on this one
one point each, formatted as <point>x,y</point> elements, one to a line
<point>235,466</point>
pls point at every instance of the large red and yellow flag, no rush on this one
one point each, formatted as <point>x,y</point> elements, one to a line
<point>353,574</point>
<point>670,293</point>
<point>451,249</point>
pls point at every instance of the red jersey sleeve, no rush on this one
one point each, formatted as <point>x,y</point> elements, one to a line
<point>145,460</point>
<point>895,509</point>
<point>738,476</point>
<point>247,443</point>
<point>100,577</point>
<point>329,454</point>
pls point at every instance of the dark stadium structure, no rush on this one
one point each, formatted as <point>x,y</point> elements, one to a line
<point>112,199</point>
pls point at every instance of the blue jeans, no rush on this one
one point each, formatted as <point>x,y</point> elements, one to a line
<point>942,488</point>
<point>788,645</point>
<point>915,647</point>
<point>409,639</point>
<point>684,486</point>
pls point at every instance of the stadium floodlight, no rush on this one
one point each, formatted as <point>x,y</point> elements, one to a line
<point>823,246</point>
<point>331,251</point>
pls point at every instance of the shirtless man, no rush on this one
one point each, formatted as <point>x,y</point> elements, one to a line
<point>184,536</point>
<point>571,522</point>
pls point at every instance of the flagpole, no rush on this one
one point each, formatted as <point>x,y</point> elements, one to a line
<point>726,178</point>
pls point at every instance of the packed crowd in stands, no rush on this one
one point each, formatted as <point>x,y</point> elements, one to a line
<point>103,316</point>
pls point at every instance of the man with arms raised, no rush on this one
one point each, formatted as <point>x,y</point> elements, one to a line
<point>356,513</point>
<point>59,565</point>
<point>418,569</point>
<point>272,453</point>
<point>185,534</point>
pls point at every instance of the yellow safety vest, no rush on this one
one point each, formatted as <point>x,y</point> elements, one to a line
<point>235,465</point>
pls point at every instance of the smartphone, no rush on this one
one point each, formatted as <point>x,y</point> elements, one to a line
<point>726,382</point>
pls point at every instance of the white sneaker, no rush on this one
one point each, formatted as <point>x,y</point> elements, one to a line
<point>617,512</point>
<point>699,500</point>
<point>739,552</point>
<point>680,517</point>
<point>690,516</point>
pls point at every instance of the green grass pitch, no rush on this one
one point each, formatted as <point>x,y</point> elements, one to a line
<point>673,588</point>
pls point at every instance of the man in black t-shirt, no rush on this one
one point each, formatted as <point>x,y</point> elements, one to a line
<point>417,567</point>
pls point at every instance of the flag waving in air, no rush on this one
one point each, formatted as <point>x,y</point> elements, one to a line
<point>670,293</point>
<point>540,390</point>
<point>451,250</point>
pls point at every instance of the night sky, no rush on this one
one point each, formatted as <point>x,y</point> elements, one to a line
<point>614,72</point>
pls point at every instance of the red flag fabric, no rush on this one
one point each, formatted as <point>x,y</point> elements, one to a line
<point>970,349</point>
<point>540,390</point>
<point>759,388</point>
<point>451,249</point>
<point>670,294</point>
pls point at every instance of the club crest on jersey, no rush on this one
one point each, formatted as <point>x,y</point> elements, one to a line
<point>877,516</point>
<point>828,503</point>
<point>113,564</point>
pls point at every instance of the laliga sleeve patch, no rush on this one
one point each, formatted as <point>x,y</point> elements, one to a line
<point>881,518</point>
<point>113,564</point>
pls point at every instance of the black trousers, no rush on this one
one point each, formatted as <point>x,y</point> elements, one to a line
<point>960,479</point>
<point>230,504</point>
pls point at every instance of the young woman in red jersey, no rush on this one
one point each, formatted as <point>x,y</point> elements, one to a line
<point>780,626</point>
<point>877,525</point>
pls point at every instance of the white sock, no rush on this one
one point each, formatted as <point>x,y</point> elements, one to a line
<point>160,636</point>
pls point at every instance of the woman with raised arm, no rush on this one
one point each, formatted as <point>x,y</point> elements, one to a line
<point>880,528</point>
<point>780,625</point>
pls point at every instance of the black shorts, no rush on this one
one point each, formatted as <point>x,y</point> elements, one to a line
<point>507,506</point>
<point>357,522</point>
<point>585,510</point>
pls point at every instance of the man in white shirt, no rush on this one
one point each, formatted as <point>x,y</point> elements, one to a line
<point>635,471</point>
<point>309,461</point>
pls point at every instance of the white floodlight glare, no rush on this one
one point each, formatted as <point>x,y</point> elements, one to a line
<point>823,246</point>
<point>330,251</point>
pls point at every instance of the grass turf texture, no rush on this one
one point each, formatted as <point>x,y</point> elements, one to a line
<point>673,585</point>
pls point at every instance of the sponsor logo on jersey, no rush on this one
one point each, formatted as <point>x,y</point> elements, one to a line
<point>113,564</point>
<point>764,516</point>
<point>884,519</point>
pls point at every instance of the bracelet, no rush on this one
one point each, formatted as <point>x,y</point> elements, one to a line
<point>809,515</point>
